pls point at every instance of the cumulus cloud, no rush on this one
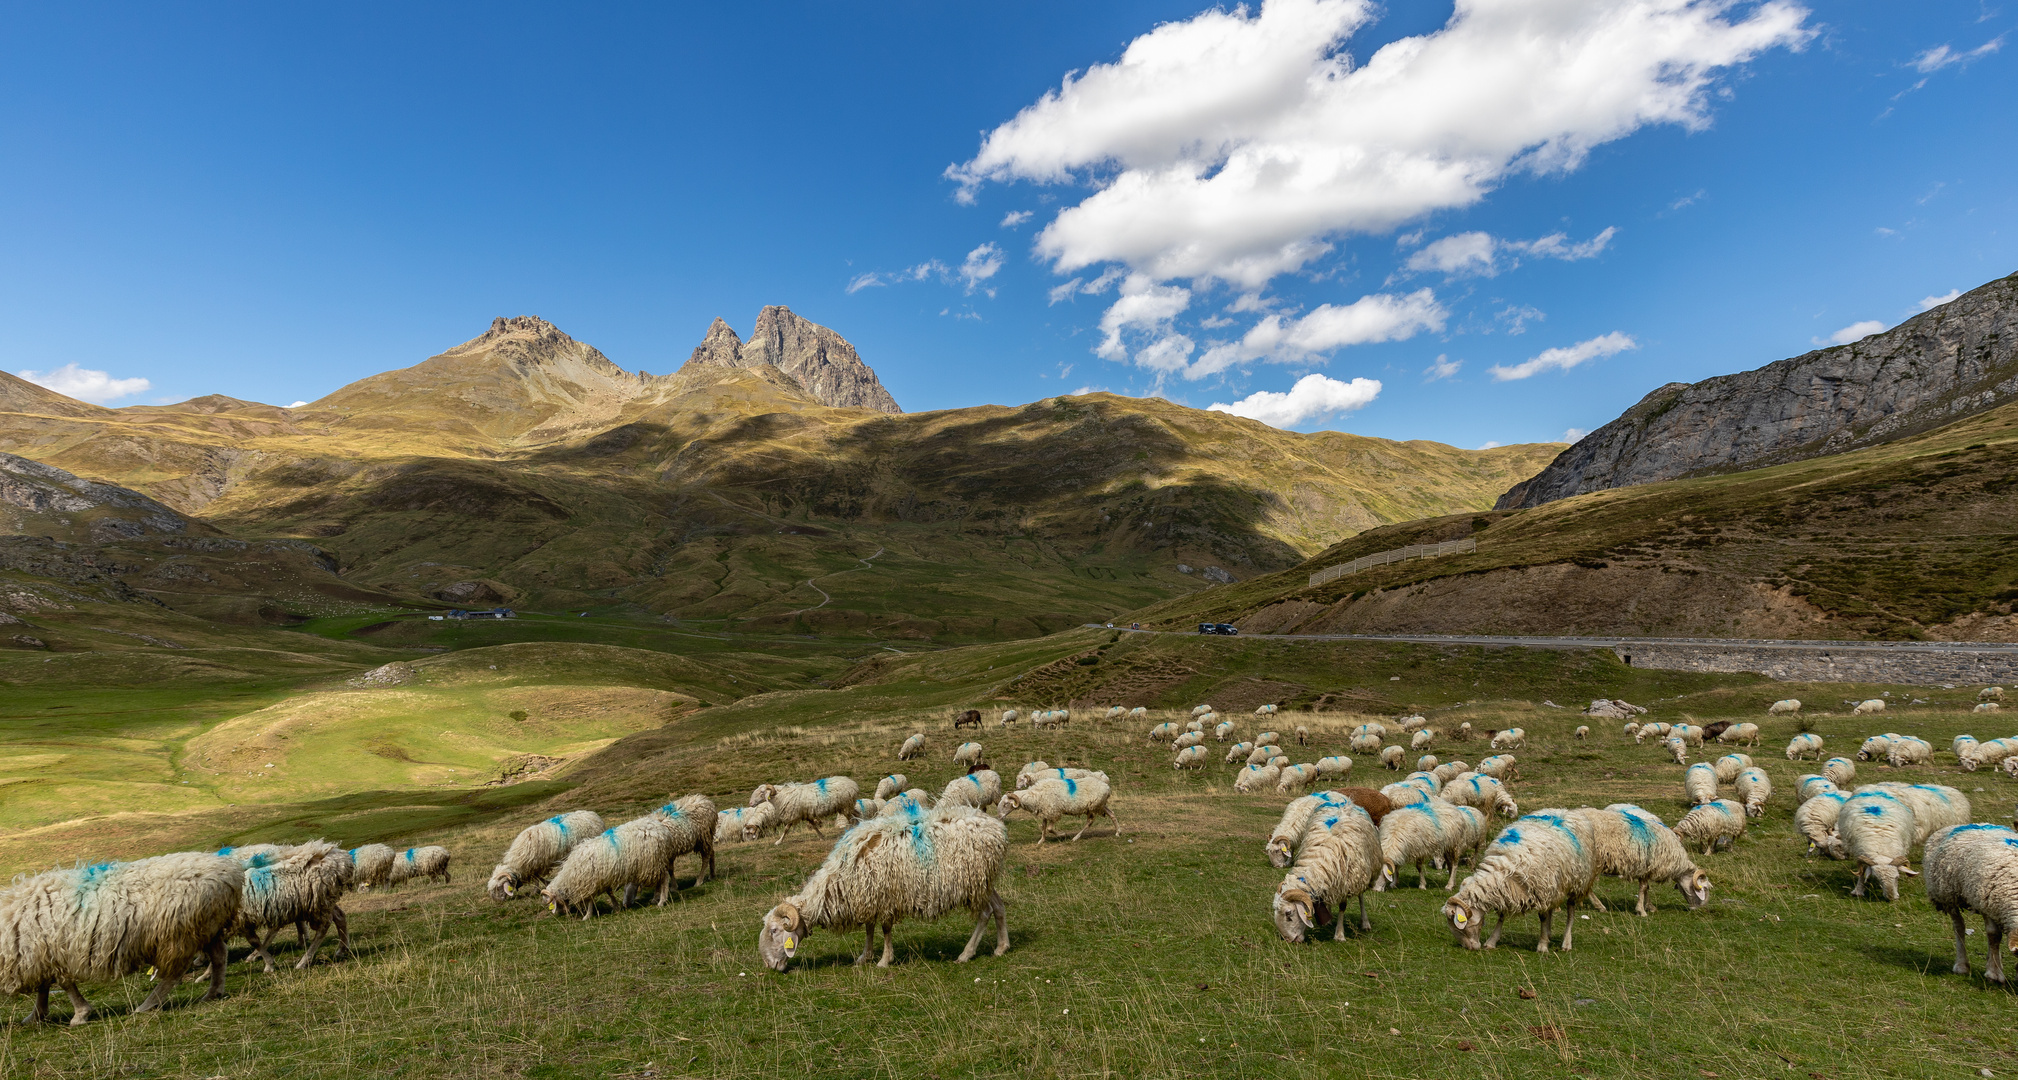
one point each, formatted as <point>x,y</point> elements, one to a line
<point>1574,434</point>
<point>1471,251</point>
<point>1014,218</point>
<point>1484,254</point>
<point>84,384</point>
<point>1373,318</point>
<point>1144,306</point>
<point>297,404</point>
<point>1566,358</point>
<point>980,265</point>
<point>1312,396</point>
<point>1856,331</point>
<point>1929,303</point>
<point>1941,56</point>
<point>1442,368</point>
<point>1238,145</point>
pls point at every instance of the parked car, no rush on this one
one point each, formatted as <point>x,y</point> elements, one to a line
<point>1217,628</point>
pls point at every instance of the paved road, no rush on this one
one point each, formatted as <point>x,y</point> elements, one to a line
<point>1994,648</point>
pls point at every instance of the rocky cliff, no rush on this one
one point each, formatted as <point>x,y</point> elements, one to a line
<point>816,358</point>
<point>1937,367</point>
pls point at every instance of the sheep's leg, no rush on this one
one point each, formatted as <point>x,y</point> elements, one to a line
<point>1083,828</point>
<point>1569,924</point>
<point>709,871</point>
<point>261,938</point>
<point>80,1009</point>
<point>308,953</point>
<point>1421,877</point>
<point>220,950</point>
<point>164,983</point>
<point>1493,941</point>
<point>1993,968</point>
<point>342,932</point>
<point>1115,820</point>
<point>889,944</point>
<point>1858,889</point>
<point>1962,943</point>
<point>40,1010</point>
<point>667,884</point>
<point>813,823</point>
<point>1001,908</point>
<point>982,918</point>
<point>1641,905</point>
<point>1364,922</point>
<point>1548,921</point>
<point>1043,829</point>
<point>1596,903</point>
<point>868,945</point>
<point>630,894</point>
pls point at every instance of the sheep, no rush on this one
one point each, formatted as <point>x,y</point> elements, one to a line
<point>1800,746</point>
<point>1909,751</point>
<point>1990,693</point>
<point>1191,757</point>
<point>1499,767</point>
<point>1302,735</point>
<point>296,885</point>
<point>1840,771</point>
<point>912,747</point>
<point>1426,779</point>
<point>1712,824</point>
<point>968,754</point>
<point>1364,743</point>
<point>1483,792</point>
<point>1975,868</point>
<point>2010,766</point>
<point>1335,865</point>
<point>1405,794</point>
<point>1138,712</point>
<point>1051,719</point>
<point>1690,734</point>
<point>1986,707</point>
<point>1262,755</point>
<point>1390,757</point>
<point>1935,806</point>
<point>1783,707</point>
<point>1510,739</point>
<point>539,848</point>
<point>812,803</point>
<point>637,853</point>
<point>1189,738</point>
<point>1654,730</point>
<point>729,823</point>
<point>915,801</point>
<point>1280,761</point>
<point>1201,710</point>
<point>1373,728</point>
<point>1630,843</point>
<point>100,922</point>
<point>1029,776</point>
<point>1268,738</point>
<point>921,865</point>
<point>1877,746</point>
<point>980,789</point>
<point>1740,735</point>
<point>1989,753</point>
<point>1237,751</point>
<point>1632,728</point>
<point>1296,776</point>
<point>862,810</point>
<point>1753,790</point>
<point>1309,812</point>
<point>1582,732</point>
<point>1196,725</point>
<point>1256,778</point>
<point>1875,829</point>
<point>1808,786</point>
<point>1009,716</point>
<point>419,862</point>
<point>1872,705</point>
<point>691,818</point>
<point>1539,863</point>
<point>1963,746</point>
<point>1428,831</point>
<point>1163,732</point>
<point>1420,740</point>
<point>892,784</point>
<point>1265,710</point>
<point>1699,784</point>
<point>1463,732</point>
<point>1337,766</point>
<point>1730,765</point>
<point>1222,731</point>
<point>1428,763</point>
<point>371,866</point>
<point>1410,723</point>
<point>1115,712</point>
<point>1677,749</point>
<point>1050,799</point>
<point>1816,820</point>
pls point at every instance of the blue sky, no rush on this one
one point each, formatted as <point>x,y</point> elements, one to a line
<point>270,201</point>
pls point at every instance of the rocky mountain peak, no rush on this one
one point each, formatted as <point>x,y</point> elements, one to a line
<point>816,358</point>
<point>721,348</point>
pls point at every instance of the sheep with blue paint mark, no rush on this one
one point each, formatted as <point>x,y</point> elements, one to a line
<point>1676,749</point>
<point>1537,864</point>
<point>1816,817</point>
<point>1336,864</point>
<point>692,820</point>
<point>1334,767</point>
<point>1973,867</point>
<point>1405,794</point>
<point>822,800</point>
<point>1364,742</point>
<point>1191,757</point>
<point>1262,755</point>
<point>896,782</point>
<point>1489,795</point>
<point>101,922</point>
<point>1238,751</point>
<point>1908,750</point>
<point>1391,757</point>
<point>1500,767</point>
<point>1630,843</point>
<point>913,801</point>
<point>912,747</point>
<point>1252,778</point>
<point>969,754</point>
<point>427,863</point>
<point>1753,790</point>
<point>1713,824</point>
<point>1699,784</point>
<point>1729,766</point>
<point>1450,770</point>
<point>1307,812</point>
<point>1810,785</point>
<point>371,866</point>
<point>617,864</point>
<point>1053,798</point>
<point>979,789</point>
<point>1990,752</point>
<point>539,848</point>
<point>1935,806</point>
<point>1427,832</point>
<point>1875,830</point>
<point>1028,776</point>
<point>1164,732</point>
<point>920,865</point>
<point>299,885</point>
<point>1804,744</point>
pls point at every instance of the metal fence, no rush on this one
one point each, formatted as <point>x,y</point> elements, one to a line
<point>1382,558</point>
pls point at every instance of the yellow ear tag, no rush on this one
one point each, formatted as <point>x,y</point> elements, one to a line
<point>1460,918</point>
<point>791,942</point>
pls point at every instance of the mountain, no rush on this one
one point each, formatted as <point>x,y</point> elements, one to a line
<point>1953,361</point>
<point>817,360</point>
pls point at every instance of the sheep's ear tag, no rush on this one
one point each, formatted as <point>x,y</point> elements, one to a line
<point>791,943</point>
<point>1459,918</point>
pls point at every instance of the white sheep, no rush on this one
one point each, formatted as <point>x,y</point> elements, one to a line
<point>1871,705</point>
<point>1730,765</point>
<point>1875,829</point>
<point>1364,742</point>
<point>1483,792</point>
<point>1426,779</point>
<point>1690,734</point>
<point>1463,731</point>
<point>1335,865</point>
<point>1632,729</point>
<point>1268,738</point>
<point>1191,757</point>
<point>912,747</point>
<point>1962,746</point>
<point>1935,806</point>
<point>1405,794</point>
<point>1909,751</point>
<point>538,850</point>
<point>100,922</point>
<point>1985,707</point>
<point>1975,868</point>
<point>823,799</point>
<point>1699,784</point>
<point>1222,731</point>
<point>371,865</point>
<point>1990,693</point>
<point>1712,824</point>
<point>1302,735</point>
<point>1753,790</point>
<point>1421,740</point>
<point>1390,757</point>
<point>302,885</point>
<point>1410,723</point>
<point>1294,777</point>
<point>968,754</point>
<point>913,802</point>
<point>1677,749</point>
<point>692,820</point>
<point>1810,785</point>
<point>881,871</point>
<point>1510,739</point>
<point>1989,752</point>
<point>1030,776</point>
<point>1582,732</point>
<point>1164,732</point>
<point>1010,716</point>
<point>729,823</point>
<point>1197,725</point>
<point>1303,814</point>
<point>1499,767</point>
<point>1334,767</point>
<point>1265,710</point>
<point>1804,744</point>
<point>1630,843</point>
<point>613,865</point>
<point>1138,712</point>
<point>429,862</point>
<point>1740,735</point>
<point>1237,751</point>
<point>1189,738</point>
<point>1115,712</point>
<point>1051,799</point>
<point>1428,831</point>
<point>1816,817</point>
<point>1262,755</point>
<point>1429,763</point>
<point>892,784</point>
<point>1840,771</point>
<point>861,811</point>
<point>1539,863</point>
<point>1201,710</point>
<point>1655,730</point>
<point>979,789</point>
<point>1253,778</point>
<point>1877,746</point>
<point>1784,707</point>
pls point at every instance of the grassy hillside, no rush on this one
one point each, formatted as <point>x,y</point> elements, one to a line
<point>1911,539</point>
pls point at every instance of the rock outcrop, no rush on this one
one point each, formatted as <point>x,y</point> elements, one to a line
<point>32,488</point>
<point>815,358</point>
<point>1942,365</point>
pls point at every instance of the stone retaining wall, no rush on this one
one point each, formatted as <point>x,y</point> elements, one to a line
<point>1910,665</point>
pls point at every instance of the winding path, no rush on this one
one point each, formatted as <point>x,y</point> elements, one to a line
<point>824,598</point>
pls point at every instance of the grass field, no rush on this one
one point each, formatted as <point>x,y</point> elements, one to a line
<point>1150,954</point>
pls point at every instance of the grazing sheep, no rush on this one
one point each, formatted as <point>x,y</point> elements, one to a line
<point>1963,746</point>
<point>1265,710</point>
<point>1740,735</point>
<point>1052,719</point>
<point>1164,732</point>
<point>1410,723</point>
<point>1253,778</point>
<point>1463,732</point>
<point>1539,863</point>
<point>1196,725</point>
<point>1783,707</point>
<point>1712,824</point>
<point>1809,785</point>
<point>1191,757</point>
<point>100,922</point>
<point>1051,799</point>
<point>1421,740</point>
<point>1115,712</point>
<point>537,850</point>
<point>1840,771</point>
<point>1237,751</point>
<point>1699,784</point>
<point>296,885</point>
<point>755,820</point>
<point>729,823</point>
<point>613,865</point>
<point>827,797</point>
<point>1201,710</point>
<point>1222,731</point>
<point>1990,752</point>
<point>1363,743</point>
<point>1425,779</point>
<point>1975,868</point>
<point>1334,865</point>
<point>894,783</point>
<point>1510,739</point>
<point>1872,705</point>
<point>418,862</point>
<point>979,789</point>
<point>1677,749</point>
<point>1405,794</point>
<point>923,865</point>
<point>1337,766</point>
<point>1449,769</point>
<point>1582,732</point>
<point>912,747</point>
<point>1302,735</point>
<point>1009,716</point>
<point>1296,776</point>
<point>692,819</point>
<point>1189,738</point>
<point>1138,712</point>
<point>1753,790</point>
<point>1262,755</point>
<point>1374,728</point>
<point>1305,813</point>
<point>371,866</point>
<point>1483,792</point>
<point>1875,829</point>
<point>1935,806</point>
<point>1804,744</point>
<point>1985,707</point>
<point>862,810</point>
<point>1909,751</point>
<point>1428,763</point>
<point>1632,728</point>
<point>1690,734</point>
<point>1877,746</point>
<point>1730,765</point>
<point>914,802</point>
<point>1816,819</point>
<point>1630,843</point>
<point>968,754</point>
<point>1268,738</point>
<point>1390,757</point>
<point>1425,832</point>
<point>1028,777</point>
<point>1654,730</point>
<point>1499,767</point>
<point>1990,693</point>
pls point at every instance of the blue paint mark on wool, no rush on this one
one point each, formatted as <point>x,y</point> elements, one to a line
<point>224,851</point>
<point>821,783</point>
<point>1509,837</point>
<point>1071,786</point>
<point>1977,827</point>
<point>557,823</point>
<point>409,855</point>
<point>611,836</point>
<point>93,876</point>
<point>921,841</point>
<point>1643,833</point>
<point>259,879</point>
<point>671,810</point>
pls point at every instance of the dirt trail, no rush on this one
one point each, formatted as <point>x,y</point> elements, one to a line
<point>824,598</point>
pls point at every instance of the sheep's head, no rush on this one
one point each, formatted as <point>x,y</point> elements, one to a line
<point>778,942</point>
<point>1279,854</point>
<point>1008,802</point>
<point>1387,877</point>
<point>553,904</point>
<point>1465,922</point>
<point>763,793</point>
<point>1295,912</point>
<point>1695,887</point>
<point>503,883</point>
<point>755,821</point>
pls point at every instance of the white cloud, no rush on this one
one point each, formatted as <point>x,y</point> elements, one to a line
<point>1574,434</point>
<point>297,404</point>
<point>1479,253</point>
<point>981,264</point>
<point>1442,368</point>
<point>84,384</point>
<point>1516,317</point>
<point>930,268</point>
<point>1941,56</point>
<point>1312,396</point>
<point>1014,218</point>
<point>1080,286</point>
<point>1491,444</point>
<point>1373,318</point>
<point>1929,303</point>
<point>1558,246</point>
<point>1856,331</point>
<point>1238,144</point>
<point>1470,251</point>
<point>1144,305</point>
<point>1566,358</point>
